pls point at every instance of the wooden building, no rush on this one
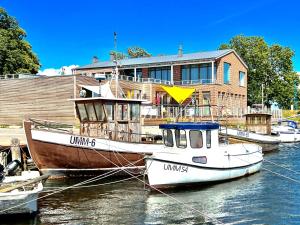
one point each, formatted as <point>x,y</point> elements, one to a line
<point>40,97</point>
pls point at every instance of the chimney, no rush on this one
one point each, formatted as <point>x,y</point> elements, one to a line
<point>95,59</point>
<point>180,51</point>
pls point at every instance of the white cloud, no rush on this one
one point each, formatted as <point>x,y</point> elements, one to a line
<point>66,70</point>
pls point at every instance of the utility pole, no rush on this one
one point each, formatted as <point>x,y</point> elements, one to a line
<point>295,96</point>
<point>262,96</point>
<point>115,41</point>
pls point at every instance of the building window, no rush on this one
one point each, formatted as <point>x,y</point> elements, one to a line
<point>139,73</point>
<point>226,73</point>
<point>242,78</point>
<point>194,72</point>
<point>185,71</point>
<point>161,73</point>
<point>198,72</point>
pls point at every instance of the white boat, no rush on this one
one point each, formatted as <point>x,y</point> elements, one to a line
<point>267,142</point>
<point>286,131</point>
<point>192,154</point>
<point>22,200</point>
<point>257,130</point>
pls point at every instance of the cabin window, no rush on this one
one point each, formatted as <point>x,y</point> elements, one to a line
<point>196,139</point>
<point>134,112</point>
<point>208,139</point>
<point>109,112</point>
<point>180,137</point>
<point>99,111</point>
<point>82,112</point>
<point>168,138</point>
<point>91,112</point>
<point>122,112</point>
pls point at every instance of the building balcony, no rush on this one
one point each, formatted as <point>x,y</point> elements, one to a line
<point>166,82</point>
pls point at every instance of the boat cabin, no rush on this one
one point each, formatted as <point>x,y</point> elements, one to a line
<point>202,135</point>
<point>258,123</point>
<point>109,118</point>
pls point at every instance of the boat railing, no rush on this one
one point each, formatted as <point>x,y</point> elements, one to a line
<point>52,125</point>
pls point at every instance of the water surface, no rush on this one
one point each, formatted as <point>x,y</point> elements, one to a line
<point>263,198</point>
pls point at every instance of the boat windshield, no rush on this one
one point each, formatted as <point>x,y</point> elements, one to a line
<point>168,138</point>
<point>180,136</point>
<point>196,139</point>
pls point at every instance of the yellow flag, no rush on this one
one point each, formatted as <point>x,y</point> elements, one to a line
<point>178,93</point>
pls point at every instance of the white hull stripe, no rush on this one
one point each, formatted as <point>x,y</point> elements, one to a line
<point>204,167</point>
<point>93,143</point>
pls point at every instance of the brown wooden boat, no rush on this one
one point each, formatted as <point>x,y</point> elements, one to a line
<point>109,139</point>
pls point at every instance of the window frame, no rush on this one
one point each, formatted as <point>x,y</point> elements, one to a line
<point>178,142</point>
<point>168,130</point>
<point>244,75</point>
<point>229,71</point>
<point>191,139</point>
<point>208,137</point>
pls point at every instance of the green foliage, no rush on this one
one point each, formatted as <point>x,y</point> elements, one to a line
<point>268,65</point>
<point>137,52</point>
<point>16,54</point>
<point>133,52</point>
<point>118,55</point>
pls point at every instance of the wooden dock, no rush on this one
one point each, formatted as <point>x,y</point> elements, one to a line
<point>6,134</point>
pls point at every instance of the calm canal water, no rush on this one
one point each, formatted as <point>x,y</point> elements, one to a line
<point>263,198</point>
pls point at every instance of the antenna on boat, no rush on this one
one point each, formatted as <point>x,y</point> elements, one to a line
<point>117,76</point>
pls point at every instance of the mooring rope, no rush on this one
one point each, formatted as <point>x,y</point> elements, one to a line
<point>173,198</point>
<point>93,179</point>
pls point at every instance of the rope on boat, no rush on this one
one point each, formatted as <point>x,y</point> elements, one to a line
<point>94,185</point>
<point>278,174</point>
<point>276,164</point>
<point>93,179</point>
<point>169,196</point>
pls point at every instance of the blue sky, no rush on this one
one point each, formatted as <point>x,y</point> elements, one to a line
<point>67,32</point>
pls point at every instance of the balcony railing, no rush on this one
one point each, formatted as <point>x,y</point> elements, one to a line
<point>159,81</point>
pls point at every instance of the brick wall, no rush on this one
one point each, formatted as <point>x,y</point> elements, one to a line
<point>177,73</point>
<point>145,72</point>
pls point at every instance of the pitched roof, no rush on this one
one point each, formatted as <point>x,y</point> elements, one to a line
<point>211,55</point>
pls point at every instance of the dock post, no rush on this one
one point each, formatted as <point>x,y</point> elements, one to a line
<point>3,159</point>
<point>15,149</point>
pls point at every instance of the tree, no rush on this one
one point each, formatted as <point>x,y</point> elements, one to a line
<point>16,54</point>
<point>118,55</point>
<point>137,52</point>
<point>270,66</point>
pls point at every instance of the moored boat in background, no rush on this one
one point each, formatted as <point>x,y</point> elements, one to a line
<point>286,131</point>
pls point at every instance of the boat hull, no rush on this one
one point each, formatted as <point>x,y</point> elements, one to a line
<point>267,142</point>
<point>57,154</point>
<point>20,201</point>
<point>25,203</point>
<point>172,174</point>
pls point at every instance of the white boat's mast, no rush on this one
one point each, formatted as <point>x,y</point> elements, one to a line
<point>117,77</point>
